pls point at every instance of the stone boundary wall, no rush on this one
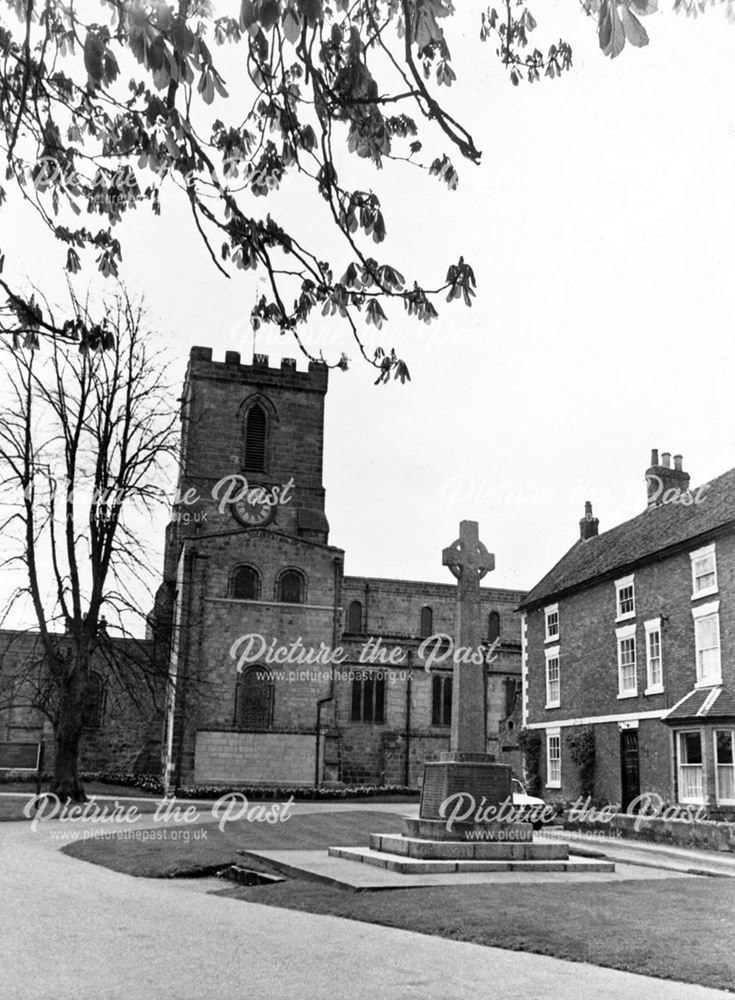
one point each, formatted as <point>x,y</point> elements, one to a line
<point>707,834</point>
<point>254,758</point>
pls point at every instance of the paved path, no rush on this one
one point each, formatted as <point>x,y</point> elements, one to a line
<point>641,852</point>
<point>74,930</point>
<point>353,875</point>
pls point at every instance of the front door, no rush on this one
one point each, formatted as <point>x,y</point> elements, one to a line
<point>629,765</point>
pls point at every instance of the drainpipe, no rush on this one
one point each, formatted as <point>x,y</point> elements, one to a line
<point>367,608</point>
<point>485,704</point>
<point>406,772</point>
<point>329,697</point>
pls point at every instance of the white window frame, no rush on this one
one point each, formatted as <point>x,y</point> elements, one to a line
<point>651,626</point>
<point>697,556</point>
<point>681,798</point>
<point>553,734</point>
<point>721,801</point>
<point>551,636</point>
<point>706,611</point>
<point>622,634</point>
<point>552,653</point>
<point>621,584</point>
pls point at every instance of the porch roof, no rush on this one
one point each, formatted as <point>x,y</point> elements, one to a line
<point>703,704</point>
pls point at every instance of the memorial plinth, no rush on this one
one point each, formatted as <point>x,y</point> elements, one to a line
<point>487,782</point>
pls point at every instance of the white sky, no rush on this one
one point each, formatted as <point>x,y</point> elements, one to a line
<point>600,229</point>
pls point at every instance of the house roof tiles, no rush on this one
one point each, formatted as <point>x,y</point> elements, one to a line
<point>640,539</point>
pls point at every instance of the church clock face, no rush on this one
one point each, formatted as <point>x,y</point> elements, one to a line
<point>256,509</point>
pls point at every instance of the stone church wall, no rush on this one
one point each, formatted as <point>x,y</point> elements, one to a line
<point>391,609</point>
<point>256,757</point>
<point>127,733</point>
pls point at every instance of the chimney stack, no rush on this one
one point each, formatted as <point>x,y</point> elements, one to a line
<point>662,477</point>
<point>589,525</point>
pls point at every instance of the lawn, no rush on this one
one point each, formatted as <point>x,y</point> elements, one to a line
<point>679,929</point>
<point>169,858</point>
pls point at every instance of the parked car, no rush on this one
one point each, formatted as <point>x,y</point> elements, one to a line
<point>537,811</point>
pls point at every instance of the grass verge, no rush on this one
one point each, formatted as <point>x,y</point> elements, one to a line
<point>12,804</point>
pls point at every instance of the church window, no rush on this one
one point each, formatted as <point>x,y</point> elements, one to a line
<point>245,584</point>
<point>354,617</point>
<point>255,429</point>
<point>368,699</point>
<point>291,587</point>
<point>512,694</point>
<point>254,699</point>
<point>493,626</point>
<point>441,700</point>
<point>427,622</point>
<point>94,700</point>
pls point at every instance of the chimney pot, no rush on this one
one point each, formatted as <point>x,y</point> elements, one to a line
<point>589,525</point>
<point>662,479</point>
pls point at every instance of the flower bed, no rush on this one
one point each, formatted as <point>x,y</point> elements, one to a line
<point>152,784</point>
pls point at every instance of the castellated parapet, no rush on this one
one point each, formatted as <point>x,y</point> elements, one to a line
<point>201,365</point>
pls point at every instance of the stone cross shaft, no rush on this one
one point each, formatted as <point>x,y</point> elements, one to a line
<point>469,561</point>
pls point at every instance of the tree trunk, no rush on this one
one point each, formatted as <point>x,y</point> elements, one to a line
<point>68,736</point>
<point>66,782</point>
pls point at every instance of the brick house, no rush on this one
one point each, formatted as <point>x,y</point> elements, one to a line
<point>254,709</point>
<point>632,633</point>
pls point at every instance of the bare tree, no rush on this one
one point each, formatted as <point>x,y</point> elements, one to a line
<point>85,439</point>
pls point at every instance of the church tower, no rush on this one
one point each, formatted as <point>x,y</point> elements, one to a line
<point>252,447</point>
<point>249,572</point>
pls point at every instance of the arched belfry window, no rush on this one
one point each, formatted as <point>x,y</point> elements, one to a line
<point>427,622</point>
<point>94,702</point>
<point>291,587</point>
<point>354,617</point>
<point>493,626</point>
<point>255,432</point>
<point>254,699</point>
<point>245,584</point>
